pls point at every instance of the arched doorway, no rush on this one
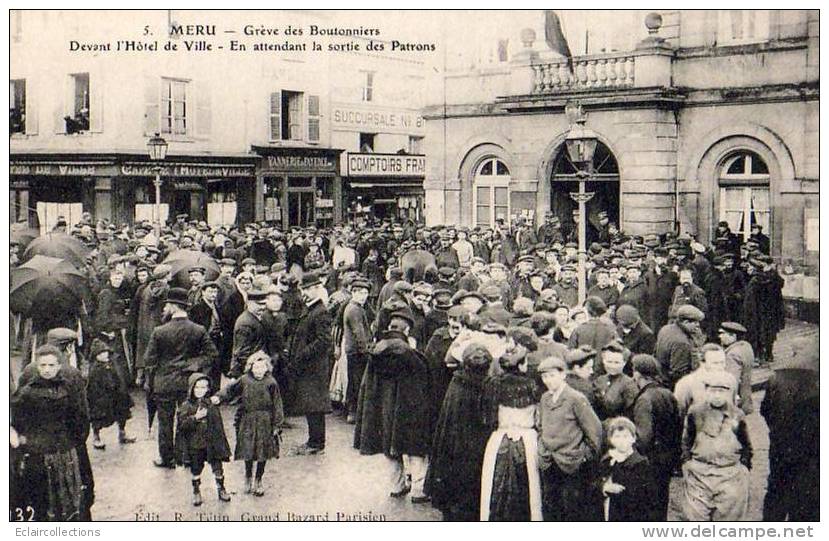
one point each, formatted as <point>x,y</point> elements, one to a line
<point>604,183</point>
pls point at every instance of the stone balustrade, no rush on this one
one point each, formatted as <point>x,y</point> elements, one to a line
<point>615,70</point>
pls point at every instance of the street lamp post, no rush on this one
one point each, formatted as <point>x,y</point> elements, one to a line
<point>158,151</point>
<point>581,146</point>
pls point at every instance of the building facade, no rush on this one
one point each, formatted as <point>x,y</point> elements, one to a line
<point>702,116</point>
<point>376,102</point>
<point>257,131</point>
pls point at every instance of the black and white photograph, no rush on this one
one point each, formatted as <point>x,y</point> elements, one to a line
<point>461,265</point>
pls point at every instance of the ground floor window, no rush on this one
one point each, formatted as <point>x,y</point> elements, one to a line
<point>744,193</point>
<point>491,193</point>
<point>48,213</point>
<point>742,207</point>
<point>221,202</point>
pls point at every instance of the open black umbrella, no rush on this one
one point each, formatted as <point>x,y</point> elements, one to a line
<point>24,236</point>
<point>59,245</point>
<point>47,284</point>
<point>181,261</point>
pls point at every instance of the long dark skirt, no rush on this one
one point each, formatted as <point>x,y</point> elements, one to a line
<point>50,487</point>
<point>510,486</point>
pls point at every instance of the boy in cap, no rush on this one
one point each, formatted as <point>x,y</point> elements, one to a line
<point>569,440</point>
<point>716,454</point>
<point>739,360</point>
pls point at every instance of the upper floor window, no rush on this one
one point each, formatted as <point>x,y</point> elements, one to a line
<point>415,145</point>
<point>294,116</point>
<point>17,106</point>
<point>367,142</point>
<point>174,113</point>
<point>503,50</point>
<point>368,86</point>
<point>78,118</point>
<point>16,21</point>
<point>738,26</point>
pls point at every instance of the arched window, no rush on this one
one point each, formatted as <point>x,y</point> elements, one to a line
<point>744,193</point>
<point>491,193</point>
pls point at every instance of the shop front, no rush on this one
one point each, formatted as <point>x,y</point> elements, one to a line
<point>221,194</point>
<point>121,189</point>
<point>41,189</point>
<point>385,187</point>
<point>299,187</point>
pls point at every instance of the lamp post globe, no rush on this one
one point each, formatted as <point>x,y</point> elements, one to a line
<point>158,152</point>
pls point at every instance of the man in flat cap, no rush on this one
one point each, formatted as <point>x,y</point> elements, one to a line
<point>763,311</point>
<point>716,454</point>
<point>356,342</point>
<point>196,275</point>
<point>676,342</point>
<point>567,288</point>
<point>662,282</point>
<point>149,311</point>
<point>739,357</point>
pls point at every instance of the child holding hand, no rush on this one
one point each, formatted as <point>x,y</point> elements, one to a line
<point>258,418</point>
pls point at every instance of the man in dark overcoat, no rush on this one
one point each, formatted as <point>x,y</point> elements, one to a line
<point>661,282</point>
<point>636,336</point>
<point>176,350</point>
<point>205,312</point>
<point>248,333</point>
<point>393,412</point>
<point>763,311</point>
<point>791,408</point>
<point>676,342</point>
<point>659,428</point>
<point>309,362</point>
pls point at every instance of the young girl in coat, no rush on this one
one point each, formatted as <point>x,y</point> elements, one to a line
<point>200,436</point>
<point>258,418</point>
<point>625,476</point>
<point>106,393</point>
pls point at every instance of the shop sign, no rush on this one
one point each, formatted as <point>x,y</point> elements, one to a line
<point>300,163</point>
<point>186,170</point>
<point>57,169</point>
<point>325,203</point>
<point>386,165</point>
<point>349,117</point>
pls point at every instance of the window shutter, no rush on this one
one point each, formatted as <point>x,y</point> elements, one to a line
<point>313,119</point>
<point>203,110</point>
<point>151,105</point>
<point>30,104</point>
<point>275,116</point>
<point>96,105</point>
<point>61,107</point>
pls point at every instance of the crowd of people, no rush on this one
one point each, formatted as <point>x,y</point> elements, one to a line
<point>464,355</point>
